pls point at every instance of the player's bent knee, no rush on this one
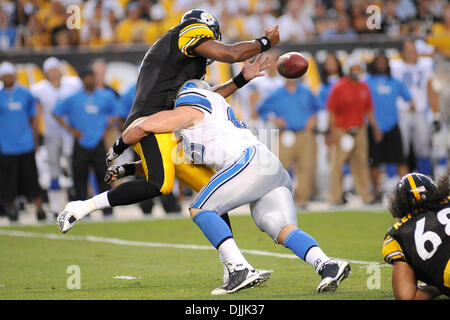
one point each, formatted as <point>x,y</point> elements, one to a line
<point>274,211</point>
<point>194,211</point>
<point>284,232</point>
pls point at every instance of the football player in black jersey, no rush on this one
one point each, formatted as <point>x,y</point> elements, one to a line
<point>418,245</point>
<point>179,55</point>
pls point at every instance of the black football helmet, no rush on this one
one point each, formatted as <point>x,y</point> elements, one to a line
<point>206,18</point>
<point>416,187</point>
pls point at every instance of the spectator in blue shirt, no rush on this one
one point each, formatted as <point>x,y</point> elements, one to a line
<point>86,115</point>
<point>18,129</point>
<point>293,109</point>
<point>7,33</point>
<point>385,90</point>
<point>126,99</point>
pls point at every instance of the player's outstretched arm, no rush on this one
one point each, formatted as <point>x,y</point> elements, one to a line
<point>239,51</point>
<point>250,70</point>
<point>404,284</point>
<point>161,122</point>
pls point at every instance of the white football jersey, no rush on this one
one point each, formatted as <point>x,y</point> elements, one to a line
<point>220,138</point>
<point>416,77</point>
<point>48,96</point>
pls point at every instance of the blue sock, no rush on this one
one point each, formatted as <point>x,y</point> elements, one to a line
<point>54,184</point>
<point>94,184</point>
<point>213,227</point>
<point>346,169</point>
<point>391,170</point>
<point>299,242</point>
<point>424,166</point>
<point>442,161</point>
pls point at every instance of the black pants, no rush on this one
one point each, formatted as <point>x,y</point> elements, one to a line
<point>83,161</point>
<point>140,189</point>
<point>19,176</point>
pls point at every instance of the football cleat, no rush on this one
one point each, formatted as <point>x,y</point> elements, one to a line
<point>332,273</point>
<point>240,277</point>
<point>67,218</point>
<point>263,275</point>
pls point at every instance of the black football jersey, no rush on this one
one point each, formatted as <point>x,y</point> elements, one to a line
<point>167,65</point>
<point>423,241</point>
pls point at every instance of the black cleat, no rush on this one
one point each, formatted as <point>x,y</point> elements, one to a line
<point>239,279</point>
<point>332,273</point>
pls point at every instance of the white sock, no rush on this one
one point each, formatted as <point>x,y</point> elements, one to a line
<point>98,202</point>
<point>101,201</point>
<point>231,255</point>
<point>316,257</point>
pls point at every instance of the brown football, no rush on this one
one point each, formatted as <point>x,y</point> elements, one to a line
<point>292,65</point>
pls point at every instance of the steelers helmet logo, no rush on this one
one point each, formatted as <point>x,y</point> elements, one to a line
<point>207,18</point>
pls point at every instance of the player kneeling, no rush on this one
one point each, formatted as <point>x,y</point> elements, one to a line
<point>419,245</point>
<point>247,173</point>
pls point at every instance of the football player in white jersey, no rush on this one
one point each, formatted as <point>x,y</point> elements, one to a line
<point>247,173</point>
<point>58,142</point>
<point>416,72</point>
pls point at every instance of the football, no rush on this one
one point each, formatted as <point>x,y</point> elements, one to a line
<point>292,65</point>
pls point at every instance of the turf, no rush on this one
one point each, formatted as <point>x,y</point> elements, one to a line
<point>36,268</point>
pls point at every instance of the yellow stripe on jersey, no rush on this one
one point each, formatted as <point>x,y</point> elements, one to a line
<point>167,144</point>
<point>447,274</point>
<point>138,149</point>
<point>190,35</point>
<point>392,250</point>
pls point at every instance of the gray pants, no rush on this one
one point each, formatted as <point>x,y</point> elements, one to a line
<point>256,178</point>
<point>415,129</point>
<point>58,147</point>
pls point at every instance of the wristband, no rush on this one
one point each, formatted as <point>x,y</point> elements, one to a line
<point>130,169</point>
<point>119,146</point>
<point>239,80</point>
<point>265,43</point>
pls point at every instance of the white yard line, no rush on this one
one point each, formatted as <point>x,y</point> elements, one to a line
<point>122,242</point>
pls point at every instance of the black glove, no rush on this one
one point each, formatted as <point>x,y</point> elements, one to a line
<point>115,151</point>
<point>117,172</point>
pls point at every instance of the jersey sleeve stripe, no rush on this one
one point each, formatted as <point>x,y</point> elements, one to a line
<point>392,251</point>
<point>189,44</point>
<point>194,100</point>
<point>190,35</point>
<point>394,256</point>
<point>206,30</point>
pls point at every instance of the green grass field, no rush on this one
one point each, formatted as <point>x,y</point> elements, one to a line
<point>34,260</point>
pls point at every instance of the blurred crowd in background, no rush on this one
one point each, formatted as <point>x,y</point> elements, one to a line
<point>348,129</point>
<point>38,24</point>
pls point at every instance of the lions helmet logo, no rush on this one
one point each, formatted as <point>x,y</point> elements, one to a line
<point>189,85</point>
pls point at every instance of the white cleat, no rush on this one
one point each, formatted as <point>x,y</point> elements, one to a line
<point>68,217</point>
<point>332,273</point>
